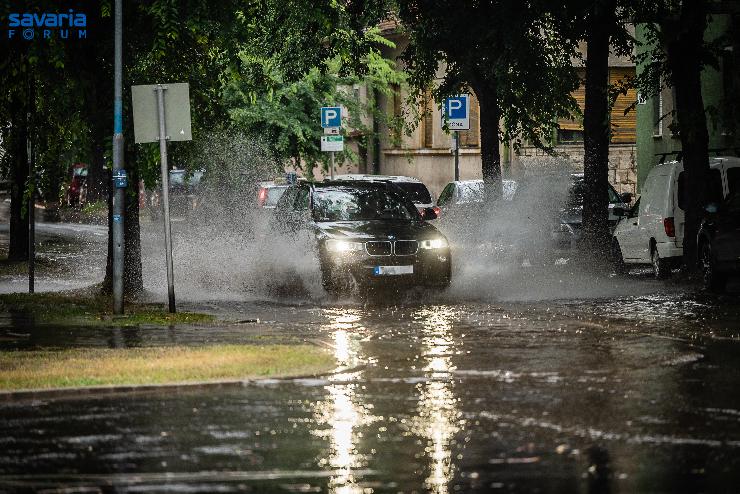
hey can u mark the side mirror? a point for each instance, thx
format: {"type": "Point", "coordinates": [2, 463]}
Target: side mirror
{"type": "Point", "coordinates": [619, 211]}
{"type": "Point", "coordinates": [711, 208]}
{"type": "Point", "coordinates": [626, 197]}
{"type": "Point", "coordinates": [429, 214]}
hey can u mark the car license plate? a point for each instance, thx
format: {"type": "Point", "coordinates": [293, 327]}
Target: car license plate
{"type": "Point", "coordinates": [393, 270]}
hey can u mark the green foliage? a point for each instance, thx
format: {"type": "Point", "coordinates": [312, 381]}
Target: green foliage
{"type": "Point", "coordinates": [264, 101]}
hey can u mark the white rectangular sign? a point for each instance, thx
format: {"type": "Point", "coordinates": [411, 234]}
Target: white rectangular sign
{"type": "Point", "coordinates": [332, 143]}
{"type": "Point", "coordinates": [176, 111]}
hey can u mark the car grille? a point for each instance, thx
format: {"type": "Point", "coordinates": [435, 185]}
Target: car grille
{"type": "Point", "coordinates": [378, 248]}
{"type": "Point", "coordinates": [406, 247]}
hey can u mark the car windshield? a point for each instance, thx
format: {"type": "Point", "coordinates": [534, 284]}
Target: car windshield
{"type": "Point", "coordinates": [274, 194]}
{"type": "Point", "coordinates": [417, 192]}
{"type": "Point", "coordinates": [471, 192]}
{"type": "Point", "coordinates": [576, 193]}
{"type": "Point", "coordinates": [359, 204]}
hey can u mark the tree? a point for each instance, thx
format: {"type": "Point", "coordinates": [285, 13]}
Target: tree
{"type": "Point", "coordinates": [263, 101]}
{"type": "Point", "coordinates": [510, 53]}
{"type": "Point", "coordinates": [676, 54]}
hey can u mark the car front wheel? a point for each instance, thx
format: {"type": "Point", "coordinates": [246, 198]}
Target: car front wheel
{"type": "Point", "coordinates": [620, 267]}
{"type": "Point", "coordinates": [661, 267]}
{"type": "Point", "coordinates": [713, 280]}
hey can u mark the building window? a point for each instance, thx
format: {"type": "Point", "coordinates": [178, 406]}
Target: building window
{"type": "Point", "coordinates": [428, 119]}
{"type": "Point", "coordinates": [570, 136]}
{"type": "Point", "coordinates": [471, 138]}
{"type": "Point", "coordinates": [658, 114]}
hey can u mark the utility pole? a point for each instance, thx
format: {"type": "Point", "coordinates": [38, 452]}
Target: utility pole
{"type": "Point", "coordinates": [119, 173]}
{"type": "Point", "coordinates": [32, 179]}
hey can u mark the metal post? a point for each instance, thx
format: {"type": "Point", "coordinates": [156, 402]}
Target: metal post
{"type": "Point", "coordinates": [32, 178]}
{"type": "Point", "coordinates": [118, 193]}
{"type": "Point", "coordinates": [332, 165]}
{"type": "Point", "coordinates": [160, 89]}
{"type": "Point", "coordinates": [457, 155]}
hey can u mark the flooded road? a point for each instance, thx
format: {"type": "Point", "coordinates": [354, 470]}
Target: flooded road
{"type": "Point", "coordinates": [621, 394]}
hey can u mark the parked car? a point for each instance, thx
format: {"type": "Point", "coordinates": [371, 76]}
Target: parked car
{"type": "Point", "coordinates": [367, 233]}
{"type": "Point", "coordinates": [652, 232]}
{"type": "Point", "coordinates": [718, 242]}
{"type": "Point", "coordinates": [268, 194]}
{"type": "Point", "coordinates": [77, 189]}
{"type": "Point", "coordinates": [184, 192]}
{"type": "Point", "coordinates": [569, 230]}
{"type": "Point", "coordinates": [415, 188]}
{"type": "Point", "coordinates": [463, 193]}
{"type": "Point", "coordinates": [556, 224]}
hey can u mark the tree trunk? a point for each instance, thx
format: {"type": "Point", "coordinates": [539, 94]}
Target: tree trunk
{"type": "Point", "coordinates": [596, 236]}
{"type": "Point", "coordinates": [133, 283]}
{"type": "Point", "coordinates": [490, 115]}
{"type": "Point", "coordinates": [18, 246]}
{"type": "Point", "coordinates": [684, 61]}
{"type": "Point", "coordinates": [97, 113]}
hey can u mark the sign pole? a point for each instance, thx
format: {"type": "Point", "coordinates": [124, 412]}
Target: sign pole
{"type": "Point", "coordinates": [457, 155]}
{"type": "Point", "coordinates": [332, 165]}
{"type": "Point", "coordinates": [160, 89]}
{"type": "Point", "coordinates": [117, 232]}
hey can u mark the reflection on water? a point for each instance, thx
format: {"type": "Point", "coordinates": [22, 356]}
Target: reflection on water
{"type": "Point", "coordinates": [438, 414]}
{"type": "Point", "coordinates": [343, 411]}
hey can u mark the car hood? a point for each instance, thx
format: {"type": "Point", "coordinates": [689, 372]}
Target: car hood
{"type": "Point", "coordinates": [376, 229]}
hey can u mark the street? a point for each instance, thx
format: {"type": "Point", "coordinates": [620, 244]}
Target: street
{"type": "Point", "coordinates": [619, 394]}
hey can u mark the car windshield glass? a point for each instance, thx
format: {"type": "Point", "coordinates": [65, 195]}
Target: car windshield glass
{"type": "Point", "coordinates": [273, 195]}
{"type": "Point", "coordinates": [417, 192]}
{"type": "Point", "coordinates": [358, 204]}
{"type": "Point", "coordinates": [471, 192]}
{"type": "Point", "coordinates": [177, 177]}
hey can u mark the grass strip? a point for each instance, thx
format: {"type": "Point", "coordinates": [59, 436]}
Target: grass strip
{"type": "Point", "coordinates": [65, 308]}
{"type": "Point", "coordinates": [81, 367]}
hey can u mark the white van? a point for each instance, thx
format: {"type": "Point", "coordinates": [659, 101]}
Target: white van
{"type": "Point", "coordinates": [652, 231]}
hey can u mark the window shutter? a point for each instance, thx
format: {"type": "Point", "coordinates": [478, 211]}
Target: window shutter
{"type": "Point", "coordinates": [623, 127]}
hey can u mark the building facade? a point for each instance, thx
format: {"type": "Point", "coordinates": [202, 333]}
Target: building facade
{"type": "Point", "coordinates": [426, 152]}
{"type": "Point", "coordinates": [657, 137]}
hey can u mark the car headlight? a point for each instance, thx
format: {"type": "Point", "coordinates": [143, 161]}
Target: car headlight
{"type": "Point", "coordinates": [434, 243]}
{"type": "Point", "coordinates": [341, 246]}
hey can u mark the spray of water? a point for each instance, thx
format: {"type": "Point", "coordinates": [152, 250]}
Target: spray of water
{"type": "Point", "coordinates": [224, 247]}
{"type": "Point", "coordinates": [227, 248]}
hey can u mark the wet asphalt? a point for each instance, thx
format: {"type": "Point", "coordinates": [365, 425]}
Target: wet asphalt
{"type": "Point", "coordinates": [512, 381]}
{"type": "Point", "coordinates": [630, 393]}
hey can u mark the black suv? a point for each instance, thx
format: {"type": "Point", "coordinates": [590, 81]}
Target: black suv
{"type": "Point", "coordinates": [719, 242]}
{"type": "Point", "coordinates": [367, 232]}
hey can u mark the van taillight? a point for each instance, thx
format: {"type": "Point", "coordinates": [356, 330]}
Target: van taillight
{"type": "Point", "coordinates": [262, 196]}
{"type": "Point", "coordinates": [670, 227]}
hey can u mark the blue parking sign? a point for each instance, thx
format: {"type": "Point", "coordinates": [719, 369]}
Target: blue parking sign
{"type": "Point", "coordinates": [331, 116]}
{"type": "Point", "coordinates": [456, 112]}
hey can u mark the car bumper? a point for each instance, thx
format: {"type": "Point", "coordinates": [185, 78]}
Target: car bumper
{"type": "Point", "coordinates": [667, 250]}
{"type": "Point", "coordinates": [429, 268]}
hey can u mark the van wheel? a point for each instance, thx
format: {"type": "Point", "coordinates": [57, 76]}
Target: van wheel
{"type": "Point", "coordinates": [620, 268]}
{"type": "Point", "coordinates": [713, 281]}
{"type": "Point", "coordinates": [661, 267]}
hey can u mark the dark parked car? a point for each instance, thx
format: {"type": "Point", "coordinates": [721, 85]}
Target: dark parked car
{"type": "Point", "coordinates": [719, 242]}
{"type": "Point", "coordinates": [268, 194]}
{"type": "Point", "coordinates": [368, 233]}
